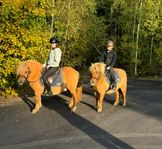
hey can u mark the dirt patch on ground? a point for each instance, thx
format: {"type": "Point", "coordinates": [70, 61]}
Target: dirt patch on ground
{"type": "Point", "coordinates": [5, 101]}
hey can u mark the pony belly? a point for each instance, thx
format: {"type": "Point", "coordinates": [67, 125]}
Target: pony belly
{"type": "Point", "coordinates": [111, 91]}
{"type": "Point", "coordinates": [56, 90]}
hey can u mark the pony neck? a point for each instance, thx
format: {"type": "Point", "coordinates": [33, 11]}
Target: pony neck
{"type": "Point", "coordinates": [35, 71]}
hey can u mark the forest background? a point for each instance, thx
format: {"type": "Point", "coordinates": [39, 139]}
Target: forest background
{"type": "Point", "coordinates": [82, 26]}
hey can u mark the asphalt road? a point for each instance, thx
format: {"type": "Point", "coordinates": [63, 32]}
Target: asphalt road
{"type": "Point", "coordinates": [139, 125]}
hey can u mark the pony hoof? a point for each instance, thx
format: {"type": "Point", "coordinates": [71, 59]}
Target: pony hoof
{"type": "Point", "coordinates": [34, 111]}
{"type": "Point", "coordinates": [70, 105]}
{"type": "Point", "coordinates": [124, 104]}
{"type": "Point", "coordinates": [115, 104]}
{"type": "Point", "coordinates": [74, 109]}
{"type": "Point", "coordinates": [99, 110]}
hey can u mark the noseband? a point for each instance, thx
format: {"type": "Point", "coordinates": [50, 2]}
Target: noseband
{"type": "Point", "coordinates": [26, 77]}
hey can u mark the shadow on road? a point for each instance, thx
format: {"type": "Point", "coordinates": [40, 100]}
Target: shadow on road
{"type": "Point", "coordinates": [28, 102]}
{"type": "Point", "coordinates": [93, 131]}
{"type": "Point", "coordinates": [143, 96]}
{"type": "Point", "coordinates": [108, 98]}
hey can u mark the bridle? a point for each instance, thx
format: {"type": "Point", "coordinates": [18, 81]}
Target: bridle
{"type": "Point", "coordinates": [99, 76]}
{"type": "Point", "coordinates": [96, 79]}
{"type": "Point", "coordinates": [26, 77]}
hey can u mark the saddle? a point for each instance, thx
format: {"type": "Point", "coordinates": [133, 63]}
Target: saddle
{"type": "Point", "coordinates": [56, 79]}
{"type": "Point", "coordinates": [117, 78]}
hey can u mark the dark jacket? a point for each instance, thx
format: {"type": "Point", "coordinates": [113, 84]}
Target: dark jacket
{"type": "Point", "coordinates": [109, 58]}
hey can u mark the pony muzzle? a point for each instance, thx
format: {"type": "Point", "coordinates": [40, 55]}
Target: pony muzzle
{"type": "Point", "coordinates": [92, 82]}
{"type": "Point", "coordinates": [21, 81]}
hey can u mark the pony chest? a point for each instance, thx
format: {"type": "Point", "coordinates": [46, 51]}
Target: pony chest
{"type": "Point", "coordinates": [101, 85]}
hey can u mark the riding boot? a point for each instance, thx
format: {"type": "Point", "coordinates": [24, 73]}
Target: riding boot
{"type": "Point", "coordinates": [113, 85]}
{"type": "Point", "coordinates": [113, 82]}
{"type": "Point", "coordinates": [48, 87]}
{"type": "Point", "coordinates": [49, 93]}
{"type": "Point", "coordinates": [45, 90]}
{"type": "Point", "coordinates": [63, 87]}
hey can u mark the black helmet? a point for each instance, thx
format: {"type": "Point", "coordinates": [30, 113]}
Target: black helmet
{"type": "Point", "coordinates": [54, 40]}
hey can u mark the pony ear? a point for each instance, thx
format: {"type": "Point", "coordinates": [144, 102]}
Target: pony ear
{"type": "Point", "coordinates": [99, 66]}
{"type": "Point", "coordinates": [18, 65]}
{"type": "Point", "coordinates": [34, 71]}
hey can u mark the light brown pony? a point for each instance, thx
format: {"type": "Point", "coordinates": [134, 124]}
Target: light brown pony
{"type": "Point", "coordinates": [31, 71]}
{"type": "Point", "coordinates": [100, 85]}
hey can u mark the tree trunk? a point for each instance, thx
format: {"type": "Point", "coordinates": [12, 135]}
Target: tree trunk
{"type": "Point", "coordinates": [137, 38]}
{"type": "Point", "coordinates": [111, 27]}
{"type": "Point", "coordinates": [67, 31]}
{"type": "Point", "coordinates": [152, 42]}
{"type": "Point", "coordinates": [134, 23]}
{"type": "Point", "coordinates": [52, 19]}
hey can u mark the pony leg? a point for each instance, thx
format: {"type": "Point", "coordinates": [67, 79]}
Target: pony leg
{"type": "Point", "coordinates": [97, 99]}
{"type": "Point", "coordinates": [73, 100]}
{"type": "Point", "coordinates": [38, 104]}
{"type": "Point", "coordinates": [74, 107]}
{"type": "Point", "coordinates": [117, 98]}
{"type": "Point", "coordinates": [78, 92]}
{"type": "Point", "coordinates": [124, 97]}
{"type": "Point", "coordinates": [124, 100]}
{"type": "Point", "coordinates": [100, 102]}
{"type": "Point", "coordinates": [96, 96]}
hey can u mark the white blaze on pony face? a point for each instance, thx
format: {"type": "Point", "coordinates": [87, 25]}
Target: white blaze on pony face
{"type": "Point", "coordinates": [22, 73]}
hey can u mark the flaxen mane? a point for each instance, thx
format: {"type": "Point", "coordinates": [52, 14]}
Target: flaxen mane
{"type": "Point", "coordinates": [98, 67]}
{"type": "Point", "coordinates": [26, 64]}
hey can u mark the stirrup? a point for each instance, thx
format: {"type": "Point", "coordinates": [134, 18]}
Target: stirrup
{"type": "Point", "coordinates": [113, 86]}
{"type": "Point", "coordinates": [48, 93]}
{"type": "Point", "coordinates": [63, 87]}
{"type": "Point", "coordinates": [44, 92]}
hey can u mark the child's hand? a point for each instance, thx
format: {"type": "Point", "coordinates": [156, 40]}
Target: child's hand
{"type": "Point", "coordinates": [108, 67]}
{"type": "Point", "coordinates": [44, 65]}
{"type": "Point", "coordinates": [48, 66]}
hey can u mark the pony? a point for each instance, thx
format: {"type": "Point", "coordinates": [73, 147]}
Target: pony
{"type": "Point", "coordinates": [101, 86]}
{"type": "Point", "coordinates": [31, 71]}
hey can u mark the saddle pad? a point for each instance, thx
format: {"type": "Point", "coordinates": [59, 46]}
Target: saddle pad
{"type": "Point", "coordinates": [117, 78]}
{"type": "Point", "coordinates": [57, 78]}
